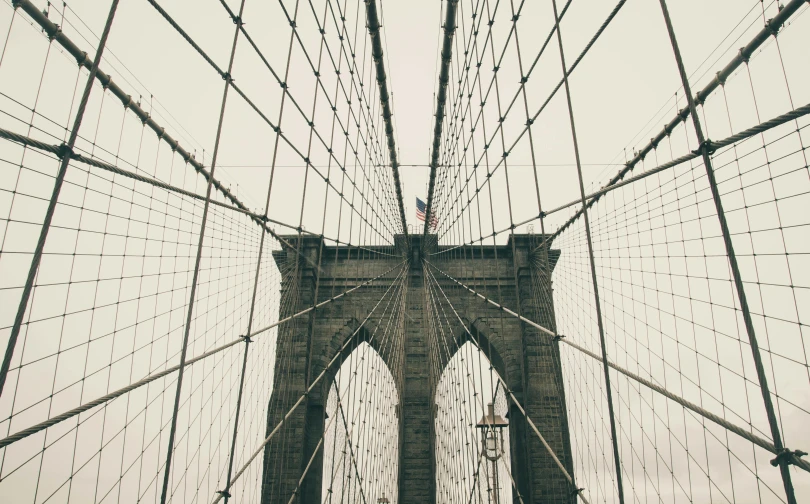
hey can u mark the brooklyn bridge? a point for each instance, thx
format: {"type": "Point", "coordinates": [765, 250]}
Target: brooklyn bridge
{"type": "Point", "coordinates": [435, 251]}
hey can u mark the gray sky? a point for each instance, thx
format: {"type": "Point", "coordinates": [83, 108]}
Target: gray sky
{"type": "Point", "coordinates": [668, 303]}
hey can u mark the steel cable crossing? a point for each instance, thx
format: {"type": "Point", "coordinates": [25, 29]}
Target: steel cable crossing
{"type": "Point", "coordinates": [458, 232]}
{"type": "Point", "coordinates": [657, 353]}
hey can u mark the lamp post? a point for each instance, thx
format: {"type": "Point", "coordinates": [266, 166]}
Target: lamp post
{"type": "Point", "coordinates": [383, 500]}
{"type": "Point", "coordinates": [492, 426]}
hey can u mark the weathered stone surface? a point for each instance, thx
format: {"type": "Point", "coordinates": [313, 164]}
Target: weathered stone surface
{"type": "Point", "coordinates": [527, 360]}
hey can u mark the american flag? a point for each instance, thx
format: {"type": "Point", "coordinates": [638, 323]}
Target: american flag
{"type": "Point", "coordinates": [420, 213]}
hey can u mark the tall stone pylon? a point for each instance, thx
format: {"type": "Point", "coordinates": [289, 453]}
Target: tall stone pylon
{"type": "Point", "coordinates": [515, 274]}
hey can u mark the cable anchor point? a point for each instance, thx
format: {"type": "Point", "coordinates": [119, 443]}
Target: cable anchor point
{"type": "Point", "coordinates": [787, 456]}
{"type": "Point", "coordinates": [707, 147]}
{"type": "Point", "coordinates": [65, 151]}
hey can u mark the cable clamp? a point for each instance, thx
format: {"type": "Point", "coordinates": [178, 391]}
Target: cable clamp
{"type": "Point", "coordinates": [771, 28]}
{"type": "Point", "coordinates": [79, 61]}
{"type": "Point", "coordinates": [237, 20]}
{"type": "Point", "coordinates": [224, 493]}
{"type": "Point", "coordinates": [558, 337]}
{"type": "Point", "coordinates": [576, 491]}
{"type": "Point", "coordinates": [227, 77]}
{"type": "Point", "coordinates": [743, 56]}
{"type": "Point", "coordinates": [786, 456]}
{"type": "Point", "coordinates": [65, 151]}
{"type": "Point", "coordinates": [246, 338]}
{"type": "Point", "coordinates": [707, 147]}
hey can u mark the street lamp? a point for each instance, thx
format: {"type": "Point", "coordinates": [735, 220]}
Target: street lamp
{"type": "Point", "coordinates": [383, 500]}
{"type": "Point", "coordinates": [492, 426]}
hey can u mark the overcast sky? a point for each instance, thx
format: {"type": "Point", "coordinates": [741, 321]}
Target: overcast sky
{"type": "Point", "coordinates": [623, 92]}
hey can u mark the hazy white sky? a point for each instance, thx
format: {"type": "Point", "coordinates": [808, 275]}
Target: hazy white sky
{"type": "Point", "coordinates": [624, 82]}
{"type": "Point", "coordinates": [669, 307]}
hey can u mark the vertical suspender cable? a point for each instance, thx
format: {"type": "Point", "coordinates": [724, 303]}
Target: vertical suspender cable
{"type": "Point", "coordinates": [782, 458]}
{"type": "Point", "coordinates": [190, 311]}
{"type": "Point", "coordinates": [57, 187]}
{"type": "Point", "coordinates": [597, 303]}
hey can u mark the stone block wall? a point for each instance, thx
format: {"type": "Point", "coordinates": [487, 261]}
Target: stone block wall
{"type": "Point", "coordinates": [527, 360]}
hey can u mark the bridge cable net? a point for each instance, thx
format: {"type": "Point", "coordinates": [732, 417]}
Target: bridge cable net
{"type": "Point", "coordinates": [676, 312]}
{"type": "Point", "coordinates": [158, 285]}
{"type": "Point", "coordinates": [155, 314]}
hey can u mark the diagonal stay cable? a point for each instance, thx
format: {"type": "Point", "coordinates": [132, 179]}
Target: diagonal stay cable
{"type": "Point", "coordinates": [53, 31]}
{"type": "Point", "coordinates": [759, 441]}
{"type": "Point", "coordinates": [275, 127]}
{"type": "Point", "coordinates": [60, 152]}
{"type": "Point", "coordinates": [531, 120]}
{"type": "Point", "coordinates": [311, 387]}
{"type": "Point", "coordinates": [737, 137]}
{"type": "Point", "coordinates": [507, 390]}
{"type": "Point", "coordinates": [770, 29]}
{"type": "Point", "coordinates": [109, 397]}
{"type": "Point", "coordinates": [46, 224]}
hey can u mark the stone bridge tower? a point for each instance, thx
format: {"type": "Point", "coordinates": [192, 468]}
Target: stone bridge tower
{"type": "Point", "coordinates": [528, 361]}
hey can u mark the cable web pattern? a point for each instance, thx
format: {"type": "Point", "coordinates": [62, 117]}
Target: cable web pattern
{"type": "Point", "coordinates": [209, 290]}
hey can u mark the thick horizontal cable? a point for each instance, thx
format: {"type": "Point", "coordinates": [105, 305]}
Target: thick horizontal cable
{"type": "Point", "coordinates": [771, 28]}
{"type": "Point", "coordinates": [275, 127]}
{"type": "Point", "coordinates": [109, 397]}
{"type": "Point", "coordinates": [59, 151]}
{"type": "Point", "coordinates": [377, 54]}
{"type": "Point", "coordinates": [761, 442]}
{"type": "Point", "coordinates": [714, 146]}
{"type": "Point", "coordinates": [311, 387]}
{"type": "Point", "coordinates": [54, 32]}
{"type": "Point", "coordinates": [441, 98]}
